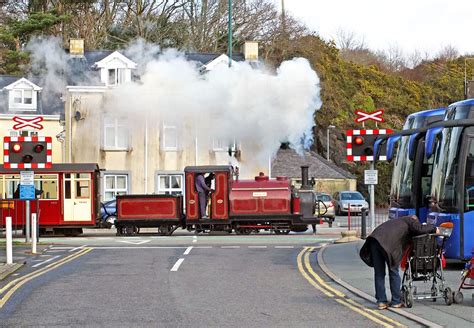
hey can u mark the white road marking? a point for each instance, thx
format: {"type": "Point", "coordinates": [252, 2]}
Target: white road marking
{"type": "Point", "coordinates": [45, 255]}
{"type": "Point", "coordinates": [284, 246]}
{"type": "Point", "coordinates": [230, 246]}
{"type": "Point", "coordinates": [77, 248]}
{"type": "Point", "coordinates": [137, 247]}
{"type": "Point", "coordinates": [55, 251]}
{"type": "Point", "coordinates": [257, 246]}
{"type": "Point", "coordinates": [195, 239]}
{"type": "Point", "coordinates": [138, 242]}
{"type": "Point", "coordinates": [60, 247]}
{"type": "Point", "coordinates": [46, 261]}
{"type": "Point", "coordinates": [186, 252]}
{"type": "Point", "coordinates": [177, 264]}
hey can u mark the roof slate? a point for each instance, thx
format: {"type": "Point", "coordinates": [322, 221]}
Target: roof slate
{"type": "Point", "coordinates": [288, 163]}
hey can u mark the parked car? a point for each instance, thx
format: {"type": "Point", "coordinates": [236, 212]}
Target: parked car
{"type": "Point", "coordinates": [354, 199]}
{"type": "Point", "coordinates": [327, 210]}
{"type": "Point", "coordinates": [108, 213]}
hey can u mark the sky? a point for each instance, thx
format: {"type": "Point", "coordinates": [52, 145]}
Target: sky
{"type": "Point", "coordinates": [423, 25]}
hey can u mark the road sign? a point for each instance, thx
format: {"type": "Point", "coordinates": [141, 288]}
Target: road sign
{"type": "Point", "coordinates": [27, 192]}
{"type": "Point", "coordinates": [28, 123]}
{"type": "Point", "coordinates": [27, 178]}
{"type": "Point", "coordinates": [371, 177]}
{"type": "Point", "coordinates": [360, 144]}
{"type": "Point", "coordinates": [375, 116]}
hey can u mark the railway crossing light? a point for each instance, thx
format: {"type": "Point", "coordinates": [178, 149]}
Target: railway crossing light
{"type": "Point", "coordinates": [27, 152]}
{"type": "Point", "coordinates": [360, 144]}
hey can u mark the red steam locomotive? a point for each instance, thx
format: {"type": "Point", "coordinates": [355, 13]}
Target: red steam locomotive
{"type": "Point", "coordinates": [243, 206]}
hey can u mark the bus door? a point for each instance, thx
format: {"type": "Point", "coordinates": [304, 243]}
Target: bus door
{"type": "Point", "coordinates": [77, 197]}
{"type": "Point", "coordinates": [467, 223]}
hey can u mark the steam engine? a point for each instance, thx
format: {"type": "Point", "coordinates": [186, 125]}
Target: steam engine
{"type": "Point", "coordinates": [243, 206]}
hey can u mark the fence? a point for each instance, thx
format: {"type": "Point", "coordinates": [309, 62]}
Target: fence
{"type": "Point", "coordinates": [354, 220]}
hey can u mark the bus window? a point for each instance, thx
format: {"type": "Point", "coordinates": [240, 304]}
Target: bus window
{"type": "Point", "coordinates": [469, 178]}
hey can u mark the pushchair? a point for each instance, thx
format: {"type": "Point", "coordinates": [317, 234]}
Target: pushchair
{"type": "Point", "coordinates": [467, 273]}
{"type": "Point", "coordinates": [425, 263]}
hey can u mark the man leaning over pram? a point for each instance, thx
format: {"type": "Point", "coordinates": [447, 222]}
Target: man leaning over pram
{"type": "Point", "coordinates": [386, 245]}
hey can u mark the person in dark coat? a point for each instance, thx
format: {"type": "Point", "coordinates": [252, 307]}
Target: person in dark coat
{"type": "Point", "coordinates": [385, 246]}
{"type": "Point", "coordinates": [202, 190]}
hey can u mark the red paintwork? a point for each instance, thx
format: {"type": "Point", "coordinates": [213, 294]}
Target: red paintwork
{"type": "Point", "coordinates": [261, 196]}
{"type": "Point", "coordinates": [296, 205]}
{"type": "Point", "coordinates": [148, 208]}
{"type": "Point", "coordinates": [51, 211]}
{"type": "Point", "coordinates": [192, 199]}
{"type": "Point", "coordinates": [219, 198]}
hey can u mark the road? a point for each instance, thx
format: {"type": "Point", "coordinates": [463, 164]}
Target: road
{"type": "Point", "coordinates": [183, 281]}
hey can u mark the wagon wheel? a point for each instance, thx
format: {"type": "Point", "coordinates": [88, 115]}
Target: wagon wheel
{"type": "Point", "coordinates": [129, 230]}
{"type": "Point", "coordinates": [458, 297]}
{"type": "Point", "coordinates": [448, 296]}
{"type": "Point", "coordinates": [243, 231]}
{"type": "Point", "coordinates": [164, 230]}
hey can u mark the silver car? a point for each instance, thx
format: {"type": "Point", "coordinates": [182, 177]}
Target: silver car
{"type": "Point", "coordinates": [327, 210]}
{"type": "Point", "coordinates": [354, 199]}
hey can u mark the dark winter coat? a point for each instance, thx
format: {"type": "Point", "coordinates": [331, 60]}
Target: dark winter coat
{"type": "Point", "coordinates": [394, 236]}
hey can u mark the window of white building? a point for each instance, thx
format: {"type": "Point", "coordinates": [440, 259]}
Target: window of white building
{"type": "Point", "coordinates": [115, 184]}
{"type": "Point", "coordinates": [115, 76]}
{"type": "Point", "coordinates": [116, 134]}
{"type": "Point", "coordinates": [170, 138]}
{"type": "Point", "coordinates": [221, 144]}
{"type": "Point", "coordinates": [170, 184]}
{"type": "Point", "coordinates": [22, 95]}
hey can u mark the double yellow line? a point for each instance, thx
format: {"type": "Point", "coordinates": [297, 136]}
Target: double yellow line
{"type": "Point", "coordinates": [10, 288]}
{"type": "Point", "coordinates": [304, 266]}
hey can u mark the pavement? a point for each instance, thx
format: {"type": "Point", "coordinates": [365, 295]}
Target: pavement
{"type": "Point", "coordinates": [21, 254]}
{"type": "Point", "coordinates": [341, 262]}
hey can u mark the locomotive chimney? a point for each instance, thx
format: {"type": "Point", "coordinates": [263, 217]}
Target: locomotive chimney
{"type": "Point", "coordinates": [304, 178]}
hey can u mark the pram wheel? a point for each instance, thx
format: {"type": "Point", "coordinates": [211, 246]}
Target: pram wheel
{"type": "Point", "coordinates": [407, 297]}
{"type": "Point", "coordinates": [458, 297]}
{"type": "Point", "coordinates": [434, 292]}
{"type": "Point", "coordinates": [448, 296]}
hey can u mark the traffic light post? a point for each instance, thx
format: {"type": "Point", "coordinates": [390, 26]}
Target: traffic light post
{"type": "Point", "coordinates": [360, 147]}
{"type": "Point", "coordinates": [27, 153]}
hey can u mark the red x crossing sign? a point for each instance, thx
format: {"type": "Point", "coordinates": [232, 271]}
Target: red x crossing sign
{"type": "Point", "coordinates": [375, 116]}
{"type": "Point", "coordinates": [27, 122]}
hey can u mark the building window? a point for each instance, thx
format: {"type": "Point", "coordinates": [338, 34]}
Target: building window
{"type": "Point", "coordinates": [115, 184]}
{"type": "Point", "coordinates": [170, 137]}
{"type": "Point", "coordinates": [170, 184]}
{"type": "Point", "coordinates": [223, 145]}
{"type": "Point", "coordinates": [22, 99]}
{"type": "Point", "coordinates": [116, 134]}
{"type": "Point", "coordinates": [115, 76]}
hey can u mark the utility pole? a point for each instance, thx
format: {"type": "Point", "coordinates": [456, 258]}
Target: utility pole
{"type": "Point", "coordinates": [229, 46]}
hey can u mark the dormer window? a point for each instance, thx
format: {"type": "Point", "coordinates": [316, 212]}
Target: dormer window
{"type": "Point", "coordinates": [115, 69]}
{"type": "Point", "coordinates": [22, 95]}
{"type": "Point", "coordinates": [116, 76]}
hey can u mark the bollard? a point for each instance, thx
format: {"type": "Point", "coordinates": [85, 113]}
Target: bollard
{"type": "Point", "coordinates": [8, 228]}
{"type": "Point", "coordinates": [349, 216]}
{"type": "Point", "coordinates": [363, 225]}
{"type": "Point", "coordinates": [33, 233]}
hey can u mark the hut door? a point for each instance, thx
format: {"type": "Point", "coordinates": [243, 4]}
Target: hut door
{"type": "Point", "coordinates": [77, 197]}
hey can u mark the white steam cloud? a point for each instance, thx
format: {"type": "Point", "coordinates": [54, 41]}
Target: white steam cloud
{"type": "Point", "coordinates": [257, 108]}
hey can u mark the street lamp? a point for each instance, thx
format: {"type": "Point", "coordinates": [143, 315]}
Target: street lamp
{"type": "Point", "coordinates": [327, 137]}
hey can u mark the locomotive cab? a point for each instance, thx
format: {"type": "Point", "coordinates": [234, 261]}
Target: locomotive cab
{"type": "Point", "coordinates": [218, 199]}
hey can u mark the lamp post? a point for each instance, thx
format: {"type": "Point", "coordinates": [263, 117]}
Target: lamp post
{"type": "Point", "coordinates": [327, 138]}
